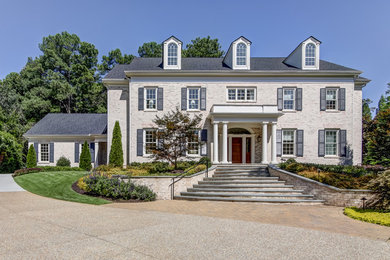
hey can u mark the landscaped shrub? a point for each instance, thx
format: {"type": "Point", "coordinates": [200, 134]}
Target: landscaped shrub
{"type": "Point", "coordinates": [381, 187]}
{"type": "Point", "coordinates": [31, 157]}
{"type": "Point", "coordinates": [102, 185]}
{"type": "Point", "coordinates": [63, 161]}
{"type": "Point", "coordinates": [85, 157]}
{"type": "Point", "coordinates": [26, 171]}
{"type": "Point", "coordinates": [10, 153]}
{"type": "Point", "coordinates": [59, 168]}
{"type": "Point", "coordinates": [196, 169]}
{"type": "Point", "coordinates": [369, 215]}
{"type": "Point", "coordinates": [116, 152]}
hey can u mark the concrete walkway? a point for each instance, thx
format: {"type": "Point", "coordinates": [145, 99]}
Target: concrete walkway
{"type": "Point", "coordinates": [34, 227]}
{"type": "Point", "coordinates": [7, 184]}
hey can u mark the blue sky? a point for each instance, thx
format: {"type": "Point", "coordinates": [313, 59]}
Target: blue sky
{"type": "Point", "coordinates": [353, 33]}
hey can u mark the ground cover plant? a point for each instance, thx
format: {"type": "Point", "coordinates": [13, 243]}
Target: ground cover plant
{"type": "Point", "coordinates": [340, 176]}
{"type": "Point", "coordinates": [369, 215]}
{"type": "Point", "coordinates": [98, 184]}
{"type": "Point", "coordinates": [45, 169]}
{"type": "Point", "coordinates": [57, 185]}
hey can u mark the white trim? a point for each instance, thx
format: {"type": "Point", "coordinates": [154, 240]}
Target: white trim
{"type": "Point", "coordinates": [294, 142]}
{"type": "Point", "coordinates": [294, 98]}
{"type": "Point", "coordinates": [40, 152]}
{"type": "Point", "coordinates": [337, 89]}
{"type": "Point", "coordinates": [337, 143]}
{"type": "Point", "coordinates": [199, 145]}
{"type": "Point", "coordinates": [144, 141]}
{"type": "Point", "coordinates": [243, 136]}
{"type": "Point", "coordinates": [145, 98]}
{"type": "Point", "coordinates": [188, 99]}
{"type": "Point", "coordinates": [245, 100]}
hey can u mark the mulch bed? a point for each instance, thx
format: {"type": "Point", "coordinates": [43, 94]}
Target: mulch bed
{"type": "Point", "coordinates": [80, 191]}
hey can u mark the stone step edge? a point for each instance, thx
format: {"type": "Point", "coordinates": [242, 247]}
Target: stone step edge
{"type": "Point", "coordinates": [248, 200]}
{"type": "Point", "coordinates": [242, 186]}
{"type": "Point", "coordinates": [244, 190]}
{"type": "Point", "coordinates": [210, 194]}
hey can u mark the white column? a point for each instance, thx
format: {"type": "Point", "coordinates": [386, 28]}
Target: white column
{"type": "Point", "coordinates": [244, 149]}
{"type": "Point", "coordinates": [264, 144]}
{"type": "Point", "coordinates": [224, 142]}
{"type": "Point", "coordinates": [273, 144]}
{"type": "Point", "coordinates": [253, 149]}
{"type": "Point", "coordinates": [215, 137]}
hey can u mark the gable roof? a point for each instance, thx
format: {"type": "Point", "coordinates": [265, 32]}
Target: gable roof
{"type": "Point", "coordinates": [173, 37]}
{"type": "Point", "coordinates": [214, 64]}
{"type": "Point", "coordinates": [70, 124]}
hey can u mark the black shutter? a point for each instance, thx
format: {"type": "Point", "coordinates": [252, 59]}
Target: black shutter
{"type": "Point", "coordinates": [160, 99]}
{"type": "Point", "coordinates": [76, 152]}
{"type": "Point", "coordinates": [203, 99]}
{"type": "Point", "coordinates": [342, 99]}
{"type": "Point", "coordinates": [298, 99]}
{"type": "Point", "coordinates": [343, 143]}
{"type": "Point", "coordinates": [51, 152]}
{"type": "Point", "coordinates": [322, 99]}
{"type": "Point", "coordinates": [36, 147]}
{"type": "Point", "coordinates": [140, 99]}
{"type": "Point", "coordinates": [140, 142]}
{"type": "Point", "coordinates": [299, 143]}
{"type": "Point", "coordinates": [321, 143]}
{"type": "Point", "coordinates": [184, 99]}
{"type": "Point", "coordinates": [203, 135]}
{"type": "Point", "coordinates": [278, 142]}
{"type": "Point", "coordinates": [280, 99]}
{"type": "Point", "coordinates": [92, 151]}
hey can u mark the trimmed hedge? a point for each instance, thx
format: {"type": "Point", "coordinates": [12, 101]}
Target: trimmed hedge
{"type": "Point", "coordinates": [63, 161]}
{"type": "Point", "coordinates": [45, 169]}
{"type": "Point", "coordinates": [369, 215]}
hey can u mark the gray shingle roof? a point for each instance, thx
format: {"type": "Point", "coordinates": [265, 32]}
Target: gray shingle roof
{"type": "Point", "coordinates": [70, 124]}
{"type": "Point", "coordinates": [213, 64]}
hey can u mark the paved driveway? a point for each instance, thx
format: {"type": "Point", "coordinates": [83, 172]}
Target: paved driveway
{"type": "Point", "coordinates": [35, 227]}
{"type": "Point", "coordinates": [8, 184]}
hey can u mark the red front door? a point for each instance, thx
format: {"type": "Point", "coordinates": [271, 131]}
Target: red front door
{"type": "Point", "coordinates": [236, 150]}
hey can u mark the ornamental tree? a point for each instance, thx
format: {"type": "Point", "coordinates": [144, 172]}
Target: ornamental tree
{"type": "Point", "coordinates": [116, 152]}
{"type": "Point", "coordinates": [85, 157]}
{"type": "Point", "coordinates": [177, 128]}
{"type": "Point", "coordinates": [31, 157]}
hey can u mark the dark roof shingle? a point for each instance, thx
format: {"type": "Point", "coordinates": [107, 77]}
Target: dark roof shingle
{"type": "Point", "coordinates": [213, 64]}
{"type": "Point", "coordinates": [70, 124]}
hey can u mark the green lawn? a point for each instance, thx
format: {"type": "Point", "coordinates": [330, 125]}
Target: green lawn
{"type": "Point", "coordinates": [57, 185]}
{"type": "Point", "coordinates": [369, 215]}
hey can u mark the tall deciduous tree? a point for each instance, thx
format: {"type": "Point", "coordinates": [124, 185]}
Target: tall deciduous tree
{"type": "Point", "coordinates": [116, 152]}
{"type": "Point", "coordinates": [203, 47]}
{"type": "Point", "coordinates": [150, 50]}
{"type": "Point", "coordinates": [177, 128]}
{"type": "Point", "coordinates": [114, 57]}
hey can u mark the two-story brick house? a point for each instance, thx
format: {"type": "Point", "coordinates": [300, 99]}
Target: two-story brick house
{"type": "Point", "coordinates": [255, 110]}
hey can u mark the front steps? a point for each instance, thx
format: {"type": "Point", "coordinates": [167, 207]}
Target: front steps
{"type": "Point", "coordinates": [245, 183]}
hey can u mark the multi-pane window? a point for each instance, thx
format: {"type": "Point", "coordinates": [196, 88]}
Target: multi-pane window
{"type": "Point", "coordinates": [241, 54]}
{"type": "Point", "coordinates": [241, 94]}
{"type": "Point", "coordinates": [193, 98]}
{"type": "Point", "coordinates": [150, 98]}
{"type": "Point", "coordinates": [44, 152]}
{"type": "Point", "coordinates": [288, 142]}
{"type": "Point", "coordinates": [193, 143]}
{"type": "Point", "coordinates": [150, 140]}
{"type": "Point", "coordinates": [288, 98]}
{"type": "Point", "coordinates": [331, 142]}
{"type": "Point", "coordinates": [331, 99]}
{"type": "Point", "coordinates": [172, 54]}
{"type": "Point", "coordinates": [310, 59]}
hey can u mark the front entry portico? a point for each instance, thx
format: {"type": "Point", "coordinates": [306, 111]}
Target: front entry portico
{"type": "Point", "coordinates": [238, 139]}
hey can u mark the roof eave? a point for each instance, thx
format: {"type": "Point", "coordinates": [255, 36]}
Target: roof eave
{"type": "Point", "coordinates": [111, 82]}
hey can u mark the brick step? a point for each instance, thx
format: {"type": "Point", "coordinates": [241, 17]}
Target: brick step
{"type": "Point", "coordinates": [271, 182]}
{"type": "Point", "coordinates": [267, 190]}
{"type": "Point", "coordinates": [305, 201]}
{"type": "Point", "coordinates": [240, 178]}
{"type": "Point", "coordinates": [237, 186]}
{"type": "Point", "coordinates": [250, 195]}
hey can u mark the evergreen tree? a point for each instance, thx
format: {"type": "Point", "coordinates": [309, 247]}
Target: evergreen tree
{"type": "Point", "coordinates": [150, 50]}
{"type": "Point", "coordinates": [31, 157]}
{"type": "Point", "coordinates": [85, 157]}
{"type": "Point", "coordinates": [116, 152]}
{"type": "Point", "coordinates": [203, 47]}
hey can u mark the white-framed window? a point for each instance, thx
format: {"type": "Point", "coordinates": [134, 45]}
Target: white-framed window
{"type": "Point", "coordinates": [288, 98]}
{"type": "Point", "coordinates": [331, 142]}
{"type": "Point", "coordinates": [193, 98]}
{"type": "Point", "coordinates": [150, 98]}
{"type": "Point", "coordinates": [44, 152]}
{"type": "Point", "coordinates": [193, 144]}
{"type": "Point", "coordinates": [288, 142]}
{"type": "Point", "coordinates": [150, 137]}
{"type": "Point", "coordinates": [310, 58]}
{"type": "Point", "coordinates": [241, 54]}
{"type": "Point", "coordinates": [172, 54]}
{"type": "Point", "coordinates": [331, 98]}
{"type": "Point", "coordinates": [241, 94]}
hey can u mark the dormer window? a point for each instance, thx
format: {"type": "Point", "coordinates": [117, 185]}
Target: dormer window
{"type": "Point", "coordinates": [310, 59]}
{"type": "Point", "coordinates": [241, 54]}
{"type": "Point", "coordinates": [172, 54]}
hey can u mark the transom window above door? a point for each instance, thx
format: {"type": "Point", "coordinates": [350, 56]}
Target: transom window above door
{"type": "Point", "coordinates": [241, 94]}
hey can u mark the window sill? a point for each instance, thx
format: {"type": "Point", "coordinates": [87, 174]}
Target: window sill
{"type": "Point", "coordinates": [193, 155]}
{"type": "Point", "coordinates": [331, 157]}
{"type": "Point", "coordinates": [193, 110]}
{"type": "Point", "coordinates": [45, 162]}
{"type": "Point", "coordinates": [150, 110]}
{"type": "Point", "coordinates": [288, 156]}
{"type": "Point", "coordinates": [332, 111]}
{"type": "Point", "coordinates": [241, 101]}
{"type": "Point", "coordinates": [289, 111]}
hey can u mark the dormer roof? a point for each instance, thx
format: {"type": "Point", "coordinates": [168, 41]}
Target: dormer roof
{"type": "Point", "coordinates": [174, 38]}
